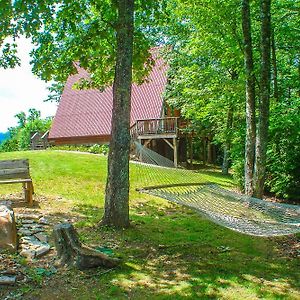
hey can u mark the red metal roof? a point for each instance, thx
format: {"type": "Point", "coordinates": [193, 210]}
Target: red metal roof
{"type": "Point", "coordinates": [83, 113]}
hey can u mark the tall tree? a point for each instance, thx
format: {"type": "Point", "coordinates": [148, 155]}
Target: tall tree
{"type": "Point", "coordinates": [206, 62]}
{"type": "Point", "coordinates": [202, 56]}
{"type": "Point", "coordinates": [99, 36]}
{"type": "Point", "coordinates": [117, 187]}
{"type": "Point", "coordinates": [250, 98]}
{"type": "Point", "coordinates": [264, 103]}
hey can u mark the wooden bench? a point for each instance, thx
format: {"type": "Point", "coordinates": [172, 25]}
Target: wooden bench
{"type": "Point", "coordinates": [17, 171]}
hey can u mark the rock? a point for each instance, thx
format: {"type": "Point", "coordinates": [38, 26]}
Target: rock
{"type": "Point", "coordinates": [27, 221]}
{"type": "Point", "coordinates": [8, 229]}
{"type": "Point", "coordinates": [29, 253]}
{"type": "Point", "coordinates": [43, 221]}
{"type": "Point", "coordinates": [23, 231]}
{"type": "Point", "coordinates": [41, 237]}
{"type": "Point", "coordinates": [42, 250]}
{"type": "Point", "coordinates": [28, 216]}
{"type": "Point", "coordinates": [11, 271]}
{"type": "Point", "coordinates": [30, 229]}
{"type": "Point", "coordinates": [33, 227]}
{"type": "Point", "coordinates": [32, 247]}
{"type": "Point", "coordinates": [29, 240]}
{"type": "Point", "coordinates": [6, 203]}
{"type": "Point", "coordinates": [8, 280]}
{"type": "Point", "coordinates": [35, 251]}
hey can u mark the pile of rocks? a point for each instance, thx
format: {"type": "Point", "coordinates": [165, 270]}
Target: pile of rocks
{"type": "Point", "coordinates": [23, 231]}
{"type": "Point", "coordinates": [33, 241]}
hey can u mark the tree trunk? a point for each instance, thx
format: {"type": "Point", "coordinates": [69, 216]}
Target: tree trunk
{"type": "Point", "coordinates": [264, 105]}
{"type": "Point", "coordinates": [227, 146]}
{"type": "Point", "coordinates": [225, 164]}
{"type": "Point", "coordinates": [250, 98]}
{"type": "Point", "coordinates": [204, 151]}
{"type": "Point", "coordinates": [274, 63]}
{"type": "Point", "coordinates": [117, 187]}
{"type": "Point", "coordinates": [191, 152]}
{"type": "Point", "coordinates": [209, 150]}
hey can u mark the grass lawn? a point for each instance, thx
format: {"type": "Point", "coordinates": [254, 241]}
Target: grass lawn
{"type": "Point", "coordinates": [169, 252]}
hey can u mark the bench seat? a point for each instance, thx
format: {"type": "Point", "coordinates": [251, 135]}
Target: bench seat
{"type": "Point", "coordinates": [17, 171]}
{"type": "Point", "coordinates": [10, 181]}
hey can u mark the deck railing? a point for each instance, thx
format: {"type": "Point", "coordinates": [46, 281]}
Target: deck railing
{"type": "Point", "coordinates": [162, 126]}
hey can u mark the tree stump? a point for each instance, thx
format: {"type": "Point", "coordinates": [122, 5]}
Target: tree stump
{"type": "Point", "coordinates": [73, 253]}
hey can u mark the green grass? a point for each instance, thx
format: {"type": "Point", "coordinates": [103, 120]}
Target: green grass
{"type": "Point", "coordinates": [169, 252]}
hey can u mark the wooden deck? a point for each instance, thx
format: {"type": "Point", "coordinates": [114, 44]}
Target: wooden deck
{"type": "Point", "coordinates": [156, 128]}
{"type": "Point", "coordinates": [168, 129]}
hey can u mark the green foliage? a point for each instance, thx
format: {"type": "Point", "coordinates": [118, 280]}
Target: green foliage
{"type": "Point", "coordinates": [38, 275]}
{"type": "Point", "coordinates": [99, 149]}
{"type": "Point", "coordinates": [206, 74]}
{"type": "Point", "coordinates": [8, 49]}
{"type": "Point", "coordinates": [55, 92]}
{"type": "Point", "coordinates": [95, 149]}
{"type": "Point", "coordinates": [284, 150]}
{"type": "Point", "coordinates": [21, 134]}
{"type": "Point", "coordinates": [9, 145]}
{"type": "Point", "coordinates": [206, 81]}
{"type": "Point", "coordinates": [83, 32]}
{"type": "Point", "coordinates": [79, 148]}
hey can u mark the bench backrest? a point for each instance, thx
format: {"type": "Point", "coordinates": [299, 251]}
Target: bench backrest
{"type": "Point", "coordinates": [17, 168]}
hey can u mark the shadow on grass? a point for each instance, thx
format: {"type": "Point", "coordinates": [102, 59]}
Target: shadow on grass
{"type": "Point", "coordinates": [18, 201]}
{"type": "Point", "coordinates": [172, 253]}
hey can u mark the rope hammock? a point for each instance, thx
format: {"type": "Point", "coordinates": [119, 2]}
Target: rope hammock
{"type": "Point", "coordinates": [241, 213]}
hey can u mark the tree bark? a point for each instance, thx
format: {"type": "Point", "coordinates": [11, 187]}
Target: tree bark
{"type": "Point", "coordinates": [191, 151]}
{"type": "Point", "coordinates": [204, 150]}
{"type": "Point", "coordinates": [227, 145]}
{"type": "Point", "coordinates": [117, 187]}
{"type": "Point", "coordinates": [274, 63]}
{"type": "Point", "coordinates": [209, 150]}
{"type": "Point", "coordinates": [250, 98]}
{"type": "Point", "coordinates": [71, 252]}
{"type": "Point", "coordinates": [264, 104]}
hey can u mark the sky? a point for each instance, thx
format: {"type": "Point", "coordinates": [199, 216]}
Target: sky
{"type": "Point", "coordinates": [20, 90]}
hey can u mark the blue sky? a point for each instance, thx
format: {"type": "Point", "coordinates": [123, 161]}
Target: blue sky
{"type": "Point", "coordinates": [21, 90]}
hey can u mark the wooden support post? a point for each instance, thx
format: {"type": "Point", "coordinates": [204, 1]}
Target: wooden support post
{"type": "Point", "coordinates": [31, 192]}
{"type": "Point", "coordinates": [28, 190]}
{"type": "Point", "coordinates": [175, 145]}
{"type": "Point", "coordinates": [169, 143]}
{"type": "Point", "coordinates": [147, 143]}
{"type": "Point", "coordinates": [139, 152]}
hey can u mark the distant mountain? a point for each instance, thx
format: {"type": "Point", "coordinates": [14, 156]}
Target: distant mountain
{"type": "Point", "coordinates": [4, 136]}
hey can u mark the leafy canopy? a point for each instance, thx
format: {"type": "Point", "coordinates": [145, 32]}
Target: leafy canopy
{"type": "Point", "coordinates": [83, 32]}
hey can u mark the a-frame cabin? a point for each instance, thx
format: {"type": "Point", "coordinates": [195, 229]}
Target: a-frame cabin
{"type": "Point", "coordinates": [84, 116]}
